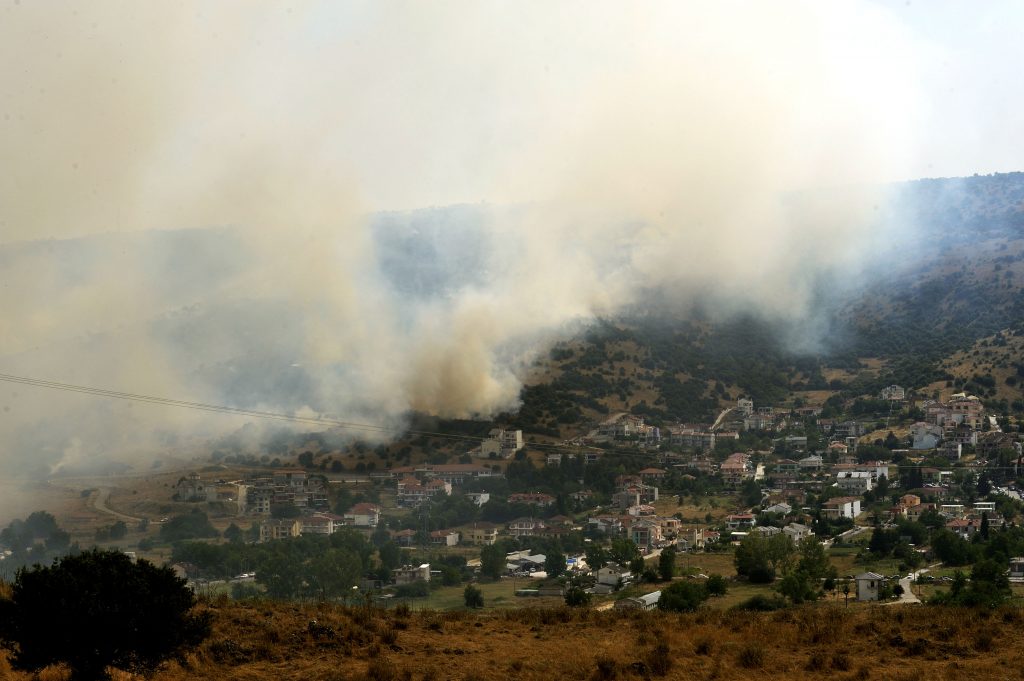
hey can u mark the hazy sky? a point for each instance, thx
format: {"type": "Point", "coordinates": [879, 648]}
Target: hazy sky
{"type": "Point", "coordinates": [128, 113]}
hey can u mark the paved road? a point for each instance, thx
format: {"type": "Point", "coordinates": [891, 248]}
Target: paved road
{"type": "Point", "coordinates": [721, 416]}
{"type": "Point", "coordinates": [908, 596]}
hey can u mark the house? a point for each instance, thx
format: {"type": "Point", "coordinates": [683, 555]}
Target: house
{"type": "Point", "coordinates": [787, 466]}
{"type": "Point", "coordinates": [740, 521]}
{"type": "Point", "coordinates": [961, 408]}
{"type": "Point", "coordinates": [407, 574]}
{"type": "Point", "coordinates": [645, 602]}
{"type": "Point", "coordinates": [781, 508]}
{"type": "Point", "coordinates": [525, 527]}
{"type": "Point", "coordinates": [613, 575]}
{"type": "Point", "coordinates": [453, 473]}
{"type": "Point", "coordinates": [925, 436]}
{"type": "Point", "coordinates": [645, 534]}
{"type": "Point", "coordinates": [606, 524]}
{"type": "Point", "coordinates": [192, 488]}
{"type": "Point", "coordinates": [320, 523]}
{"type": "Point", "coordinates": [914, 513]}
{"type": "Point", "coordinates": [553, 459]}
{"type": "Point", "coordinates": [745, 406]}
{"type": "Point", "coordinates": [907, 501]}
{"type": "Point", "coordinates": [634, 495]}
{"type": "Point", "coordinates": [964, 527]}
{"type": "Point", "coordinates": [849, 429]}
{"type": "Point", "coordinates": [363, 515]}
{"type": "Point", "coordinates": [893, 392]}
{"type": "Point", "coordinates": [481, 534]}
{"type": "Point", "coordinates": [652, 475]}
{"type": "Point", "coordinates": [501, 444]}
{"type": "Point", "coordinates": [531, 499]}
{"type": "Point", "coordinates": [478, 498]}
{"type": "Point", "coordinates": [867, 586]}
{"type": "Point", "coordinates": [838, 450]}
{"type": "Point", "coordinates": [411, 492]}
{"type": "Point", "coordinates": [735, 469]}
{"type": "Point", "coordinates": [766, 531]}
{"type": "Point", "coordinates": [701, 463]}
{"type": "Point", "coordinates": [560, 521]}
{"type": "Point", "coordinates": [813, 462]}
{"type": "Point", "coordinates": [758, 422]}
{"type": "Point", "coordinates": [855, 482]}
{"type": "Point", "coordinates": [841, 507]}
{"type": "Point", "coordinates": [797, 532]}
{"type": "Point", "coordinates": [280, 529]}
{"type": "Point", "coordinates": [1017, 568]}
{"type": "Point", "coordinates": [794, 442]}
{"type": "Point", "coordinates": [444, 538]}
{"type": "Point", "coordinates": [404, 537]}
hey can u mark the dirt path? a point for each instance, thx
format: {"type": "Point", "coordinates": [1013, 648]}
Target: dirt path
{"type": "Point", "coordinates": [99, 502]}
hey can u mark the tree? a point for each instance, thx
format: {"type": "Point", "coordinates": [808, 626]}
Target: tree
{"type": "Point", "coordinates": [281, 576]}
{"type": "Point", "coordinates": [683, 596]}
{"type": "Point", "coordinates": [951, 549]}
{"type": "Point", "coordinates": [333, 573]}
{"type": "Point", "coordinates": [717, 585]}
{"type": "Point", "coordinates": [554, 563]}
{"type": "Point", "coordinates": [576, 597]}
{"type": "Point", "coordinates": [473, 597]}
{"type": "Point", "coordinates": [624, 551]}
{"type": "Point", "coordinates": [492, 561]}
{"type": "Point", "coordinates": [750, 493]}
{"type": "Point", "coordinates": [797, 587]}
{"type": "Point", "coordinates": [234, 534]}
{"type": "Point", "coordinates": [596, 556]}
{"type": "Point", "coordinates": [99, 609]}
{"type": "Point", "coordinates": [193, 525]}
{"type": "Point", "coordinates": [118, 530]}
{"type": "Point", "coordinates": [759, 559]}
{"type": "Point", "coordinates": [667, 564]}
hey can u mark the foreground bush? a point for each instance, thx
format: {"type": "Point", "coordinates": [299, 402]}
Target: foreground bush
{"type": "Point", "coordinates": [99, 609]}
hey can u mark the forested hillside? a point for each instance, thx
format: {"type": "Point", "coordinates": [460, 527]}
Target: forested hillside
{"type": "Point", "coordinates": [952, 298]}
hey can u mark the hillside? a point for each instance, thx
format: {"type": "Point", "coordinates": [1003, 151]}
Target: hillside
{"type": "Point", "coordinates": [273, 641]}
{"type": "Point", "coordinates": [945, 313]}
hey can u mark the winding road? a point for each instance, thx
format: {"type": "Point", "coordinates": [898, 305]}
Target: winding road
{"type": "Point", "coordinates": [99, 502]}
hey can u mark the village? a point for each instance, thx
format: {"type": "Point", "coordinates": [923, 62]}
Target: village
{"type": "Point", "coordinates": [596, 514]}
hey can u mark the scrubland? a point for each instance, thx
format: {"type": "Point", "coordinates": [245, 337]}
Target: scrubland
{"type": "Point", "coordinates": [259, 640]}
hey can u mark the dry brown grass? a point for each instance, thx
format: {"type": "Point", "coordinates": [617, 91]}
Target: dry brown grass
{"type": "Point", "coordinates": [277, 641]}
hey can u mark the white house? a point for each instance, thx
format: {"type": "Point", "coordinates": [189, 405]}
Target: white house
{"type": "Point", "coordinates": [925, 436]}
{"type": "Point", "coordinates": [478, 498]}
{"type": "Point", "coordinates": [363, 515]}
{"type": "Point", "coordinates": [407, 574]}
{"type": "Point", "coordinates": [797, 532]}
{"type": "Point", "coordinates": [612, 575]}
{"type": "Point", "coordinates": [867, 586]}
{"type": "Point", "coordinates": [841, 507]}
{"type": "Point", "coordinates": [855, 482]}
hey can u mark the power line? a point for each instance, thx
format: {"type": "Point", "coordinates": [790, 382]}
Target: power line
{"type": "Point", "coordinates": [238, 411]}
{"type": "Point", "coordinates": [320, 421]}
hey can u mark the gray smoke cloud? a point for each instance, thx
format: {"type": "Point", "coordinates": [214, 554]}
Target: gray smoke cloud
{"type": "Point", "coordinates": [192, 193]}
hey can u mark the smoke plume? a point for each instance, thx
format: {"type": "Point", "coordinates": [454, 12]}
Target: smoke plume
{"type": "Point", "coordinates": [211, 202]}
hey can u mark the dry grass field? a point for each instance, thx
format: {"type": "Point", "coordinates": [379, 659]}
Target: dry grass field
{"type": "Point", "coordinates": [258, 641]}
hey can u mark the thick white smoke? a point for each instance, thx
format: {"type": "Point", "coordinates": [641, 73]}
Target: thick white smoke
{"type": "Point", "coordinates": [621, 148]}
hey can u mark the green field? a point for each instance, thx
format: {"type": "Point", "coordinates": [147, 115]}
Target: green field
{"type": "Point", "coordinates": [499, 594]}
